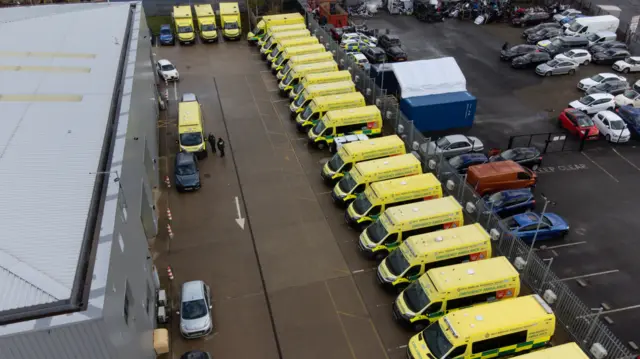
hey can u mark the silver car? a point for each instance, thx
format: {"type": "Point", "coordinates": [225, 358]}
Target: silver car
{"type": "Point", "coordinates": [195, 310]}
{"type": "Point", "coordinates": [453, 145]}
{"type": "Point", "coordinates": [557, 67]}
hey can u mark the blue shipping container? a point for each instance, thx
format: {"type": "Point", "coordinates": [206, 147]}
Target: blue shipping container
{"type": "Point", "coordinates": [441, 112]}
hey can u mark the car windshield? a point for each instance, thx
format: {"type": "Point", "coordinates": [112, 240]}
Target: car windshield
{"type": "Point", "coordinates": [376, 232]}
{"type": "Point", "coordinates": [584, 121]}
{"type": "Point", "coordinates": [415, 297]}
{"type": "Point", "coordinates": [194, 309]}
{"type": "Point", "coordinates": [208, 27]}
{"type": "Point", "coordinates": [610, 52]}
{"type": "Point", "coordinates": [456, 162]}
{"type": "Point", "coordinates": [230, 25]}
{"type": "Point", "coordinates": [575, 26]}
{"type": "Point", "coordinates": [167, 67]}
{"type": "Point", "coordinates": [185, 29]}
{"type": "Point", "coordinates": [397, 263]}
{"type": "Point", "coordinates": [361, 205]}
{"type": "Point", "coordinates": [276, 52]}
{"type": "Point", "coordinates": [308, 111]}
{"type": "Point", "coordinates": [630, 94]}
{"type": "Point", "coordinates": [191, 139]}
{"type": "Point", "coordinates": [567, 12]}
{"type": "Point", "coordinates": [443, 142]}
{"type": "Point", "coordinates": [508, 154]}
{"type": "Point", "coordinates": [597, 78]}
{"type": "Point", "coordinates": [553, 63]}
{"type": "Point", "coordinates": [286, 67]}
{"type": "Point", "coordinates": [267, 43]}
{"type": "Point", "coordinates": [496, 199]}
{"type": "Point", "coordinates": [546, 221]}
{"type": "Point", "coordinates": [298, 87]}
{"type": "Point", "coordinates": [617, 125]}
{"type": "Point", "coordinates": [318, 128]}
{"type": "Point", "coordinates": [436, 340]}
{"type": "Point", "coordinates": [280, 59]}
{"type": "Point", "coordinates": [165, 31]}
{"type": "Point", "coordinates": [593, 37]}
{"type": "Point", "coordinates": [569, 54]}
{"type": "Point", "coordinates": [586, 100]}
{"type": "Point", "coordinates": [186, 169]}
{"type": "Point", "coordinates": [336, 162]}
{"type": "Point", "coordinates": [347, 183]}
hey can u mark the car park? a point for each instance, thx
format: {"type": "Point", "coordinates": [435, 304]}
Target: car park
{"type": "Point", "coordinates": [630, 116]}
{"type": "Point", "coordinates": [512, 201]}
{"type": "Point", "coordinates": [610, 57]}
{"type": "Point", "coordinates": [578, 123]}
{"type": "Point", "coordinates": [611, 126]}
{"type": "Point", "coordinates": [186, 172]}
{"type": "Point", "coordinates": [386, 41]}
{"type": "Point", "coordinates": [452, 145]}
{"type": "Point", "coordinates": [375, 55]}
{"type": "Point", "coordinates": [557, 67]}
{"type": "Point", "coordinates": [530, 60]}
{"type": "Point", "coordinates": [529, 157]}
{"type": "Point", "coordinates": [594, 80]}
{"type": "Point", "coordinates": [628, 98]}
{"type": "Point", "coordinates": [461, 163]}
{"type": "Point", "coordinates": [581, 56]}
{"type": "Point", "coordinates": [544, 34]}
{"type": "Point", "coordinates": [612, 87]}
{"type": "Point", "coordinates": [361, 60]}
{"type": "Point", "coordinates": [544, 25]}
{"type": "Point", "coordinates": [608, 46]}
{"type": "Point", "coordinates": [515, 51]}
{"type": "Point", "coordinates": [396, 54]}
{"type": "Point", "coordinates": [167, 71]}
{"type": "Point", "coordinates": [567, 13]}
{"type": "Point", "coordinates": [526, 225]}
{"type": "Point", "coordinates": [166, 35]}
{"type": "Point", "coordinates": [591, 104]}
{"type": "Point", "coordinates": [629, 64]}
{"type": "Point", "coordinates": [195, 310]}
{"type": "Point", "coordinates": [531, 18]}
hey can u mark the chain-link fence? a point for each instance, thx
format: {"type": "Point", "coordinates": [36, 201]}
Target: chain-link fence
{"type": "Point", "coordinates": [572, 314]}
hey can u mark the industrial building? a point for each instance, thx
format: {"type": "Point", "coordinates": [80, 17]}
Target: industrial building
{"type": "Point", "coordinates": [78, 168]}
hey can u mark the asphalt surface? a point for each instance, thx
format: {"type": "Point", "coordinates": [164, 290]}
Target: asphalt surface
{"type": "Point", "coordinates": [594, 190]}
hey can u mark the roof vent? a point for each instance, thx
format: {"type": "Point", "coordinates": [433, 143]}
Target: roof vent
{"type": "Point", "coordinates": [386, 162]}
{"type": "Point", "coordinates": [438, 239]}
{"type": "Point", "coordinates": [479, 318]}
{"type": "Point", "coordinates": [403, 183]}
{"type": "Point", "coordinates": [415, 210]}
{"type": "Point", "coordinates": [471, 272]}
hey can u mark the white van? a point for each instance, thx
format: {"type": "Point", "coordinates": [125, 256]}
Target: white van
{"type": "Point", "coordinates": [592, 24]}
{"type": "Point", "coordinates": [601, 37]}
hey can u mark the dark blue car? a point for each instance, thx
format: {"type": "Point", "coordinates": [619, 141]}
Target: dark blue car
{"type": "Point", "coordinates": [166, 35]}
{"type": "Point", "coordinates": [524, 226]}
{"type": "Point", "coordinates": [187, 174]}
{"type": "Point", "coordinates": [509, 202]}
{"type": "Point", "coordinates": [462, 163]}
{"type": "Point", "coordinates": [631, 116]}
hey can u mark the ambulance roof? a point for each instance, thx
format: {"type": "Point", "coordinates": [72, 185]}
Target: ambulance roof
{"type": "Point", "coordinates": [564, 351]}
{"type": "Point", "coordinates": [463, 275]}
{"type": "Point", "coordinates": [374, 143]}
{"type": "Point", "coordinates": [413, 211]}
{"type": "Point", "coordinates": [400, 185]}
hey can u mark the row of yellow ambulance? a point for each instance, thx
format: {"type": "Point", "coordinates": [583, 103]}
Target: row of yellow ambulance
{"type": "Point", "coordinates": [325, 103]}
{"type": "Point", "coordinates": [230, 22]}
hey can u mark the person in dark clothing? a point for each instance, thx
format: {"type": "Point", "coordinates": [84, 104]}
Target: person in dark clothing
{"type": "Point", "coordinates": [221, 146]}
{"type": "Point", "coordinates": [505, 46]}
{"type": "Point", "coordinates": [212, 142]}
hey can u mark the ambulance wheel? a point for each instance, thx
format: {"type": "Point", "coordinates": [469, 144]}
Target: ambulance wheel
{"type": "Point", "coordinates": [419, 326]}
{"type": "Point", "coordinates": [321, 145]}
{"type": "Point", "coordinates": [380, 255]}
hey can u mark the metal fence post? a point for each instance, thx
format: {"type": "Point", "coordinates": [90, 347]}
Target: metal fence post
{"type": "Point", "coordinates": [546, 273]}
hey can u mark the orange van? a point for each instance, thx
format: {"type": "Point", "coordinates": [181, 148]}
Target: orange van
{"type": "Point", "coordinates": [497, 176]}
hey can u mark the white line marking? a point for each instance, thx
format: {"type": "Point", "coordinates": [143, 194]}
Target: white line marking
{"type": "Point", "coordinates": [561, 246]}
{"type": "Point", "coordinates": [588, 275]}
{"type": "Point", "coordinates": [600, 167]}
{"type": "Point", "coordinates": [175, 90]}
{"type": "Point", "coordinates": [358, 271]}
{"type": "Point", "coordinates": [276, 101]}
{"type": "Point", "coordinates": [324, 192]}
{"type": "Point", "coordinates": [397, 348]}
{"type": "Point", "coordinates": [383, 305]}
{"type": "Point", "coordinates": [624, 158]}
{"type": "Point", "coordinates": [364, 270]}
{"type": "Point", "coordinates": [269, 71]}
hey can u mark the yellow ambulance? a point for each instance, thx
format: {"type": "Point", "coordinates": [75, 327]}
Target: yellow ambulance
{"type": "Point", "coordinates": [299, 72]}
{"type": "Point", "coordinates": [206, 22]}
{"type": "Point", "coordinates": [564, 351]}
{"type": "Point", "coordinates": [271, 44]}
{"type": "Point", "coordinates": [303, 59]}
{"type": "Point", "coordinates": [315, 78]}
{"type": "Point", "coordinates": [334, 88]}
{"type": "Point", "coordinates": [280, 28]}
{"type": "Point", "coordinates": [293, 51]}
{"type": "Point", "coordinates": [321, 106]}
{"type": "Point", "coordinates": [268, 21]}
{"type": "Point", "coordinates": [190, 126]}
{"type": "Point", "coordinates": [283, 44]}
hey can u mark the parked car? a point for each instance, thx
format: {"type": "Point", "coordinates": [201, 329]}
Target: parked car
{"type": "Point", "coordinates": [530, 18]}
{"type": "Point", "coordinates": [167, 71]}
{"type": "Point", "coordinates": [461, 163]}
{"type": "Point", "coordinates": [454, 145]}
{"type": "Point", "coordinates": [568, 19]}
{"type": "Point", "coordinates": [357, 36]}
{"type": "Point", "coordinates": [354, 45]}
{"type": "Point", "coordinates": [525, 226]}
{"type": "Point", "coordinates": [557, 67]}
{"type": "Point", "coordinates": [515, 51]}
{"type": "Point", "coordinates": [544, 25]}
{"type": "Point", "coordinates": [166, 35]}
{"type": "Point", "coordinates": [529, 157]}
{"type": "Point", "coordinates": [630, 64]}
{"type": "Point", "coordinates": [512, 201]}
{"type": "Point", "coordinates": [582, 57]}
{"type": "Point", "coordinates": [612, 87]}
{"type": "Point", "coordinates": [529, 60]}
{"type": "Point", "coordinates": [591, 104]}
{"type": "Point", "coordinates": [594, 80]}
{"type": "Point", "coordinates": [396, 54]}
{"type": "Point", "coordinates": [195, 310]}
{"type": "Point", "coordinates": [186, 172]}
{"type": "Point", "coordinates": [578, 123]}
{"type": "Point", "coordinates": [544, 34]}
{"type": "Point", "coordinates": [195, 354]}
{"type": "Point", "coordinates": [611, 126]}
{"type": "Point", "coordinates": [338, 32]}
{"type": "Point", "coordinates": [610, 57]}
{"type": "Point", "coordinates": [567, 13]}
{"type": "Point", "coordinates": [628, 98]}
{"type": "Point", "coordinates": [630, 116]}
{"type": "Point", "coordinates": [375, 55]}
{"type": "Point", "coordinates": [386, 41]}
{"type": "Point", "coordinates": [361, 60]}
{"type": "Point", "coordinates": [608, 46]}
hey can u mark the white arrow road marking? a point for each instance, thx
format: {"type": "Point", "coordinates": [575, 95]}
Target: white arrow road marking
{"type": "Point", "coordinates": [239, 220]}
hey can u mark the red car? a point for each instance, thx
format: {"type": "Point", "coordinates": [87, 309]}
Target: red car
{"type": "Point", "coordinates": [578, 123]}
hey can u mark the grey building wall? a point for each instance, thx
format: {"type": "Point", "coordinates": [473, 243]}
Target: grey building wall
{"type": "Point", "coordinates": [164, 7]}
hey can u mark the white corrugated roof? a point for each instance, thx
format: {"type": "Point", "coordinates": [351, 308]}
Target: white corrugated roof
{"type": "Point", "coordinates": [56, 84]}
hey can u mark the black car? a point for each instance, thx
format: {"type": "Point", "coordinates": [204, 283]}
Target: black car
{"type": "Point", "coordinates": [195, 354]}
{"type": "Point", "coordinates": [530, 60]}
{"type": "Point", "coordinates": [525, 156]}
{"type": "Point", "coordinates": [387, 41]}
{"type": "Point", "coordinates": [375, 55]}
{"type": "Point", "coordinates": [396, 54]}
{"type": "Point", "coordinates": [187, 174]}
{"type": "Point", "coordinates": [609, 57]}
{"type": "Point", "coordinates": [530, 18]}
{"type": "Point", "coordinates": [515, 51]}
{"type": "Point", "coordinates": [611, 87]}
{"type": "Point", "coordinates": [544, 25]}
{"type": "Point", "coordinates": [607, 46]}
{"type": "Point", "coordinates": [544, 34]}
{"type": "Point", "coordinates": [462, 163]}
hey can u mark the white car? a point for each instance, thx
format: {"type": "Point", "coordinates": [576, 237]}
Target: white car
{"type": "Point", "coordinates": [594, 103]}
{"type": "Point", "coordinates": [612, 127]}
{"type": "Point", "coordinates": [629, 97]}
{"type": "Point", "coordinates": [359, 37]}
{"type": "Point", "coordinates": [582, 57]}
{"type": "Point", "coordinates": [167, 71]}
{"type": "Point", "coordinates": [569, 12]}
{"type": "Point", "coordinates": [361, 60]}
{"type": "Point", "coordinates": [594, 80]}
{"type": "Point", "coordinates": [630, 64]}
{"type": "Point", "coordinates": [454, 145]}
